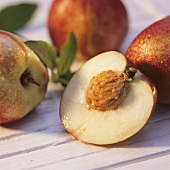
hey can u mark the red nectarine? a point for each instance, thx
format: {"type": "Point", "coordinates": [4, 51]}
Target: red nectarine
{"type": "Point", "coordinates": [150, 52]}
{"type": "Point", "coordinates": [99, 25]}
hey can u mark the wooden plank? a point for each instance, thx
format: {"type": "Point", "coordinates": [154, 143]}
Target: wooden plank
{"type": "Point", "coordinates": [162, 163]}
{"type": "Point", "coordinates": [74, 155]}
{"type": "Point", "coordinates": [114, 157]}
{"type": "Point", "coordinates": [55, 148]}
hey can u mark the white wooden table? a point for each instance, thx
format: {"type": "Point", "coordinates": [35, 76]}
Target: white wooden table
{"type": "Point", "coordinates": [39, 141]}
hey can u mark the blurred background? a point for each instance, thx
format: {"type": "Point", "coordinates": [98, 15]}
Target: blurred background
{"type": "Point", "coordinates": [141, 14]}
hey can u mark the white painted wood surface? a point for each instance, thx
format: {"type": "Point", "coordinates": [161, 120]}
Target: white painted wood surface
{"type": "Point", "coordinates": [39, 141]}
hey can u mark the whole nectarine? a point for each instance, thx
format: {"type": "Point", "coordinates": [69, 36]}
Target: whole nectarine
{"type": "Point", "coordinates": [99, 25]}
{"type": "Point", "coordinates": [150, 52]}
{"type": "Point", "coordinates": [23, 78]}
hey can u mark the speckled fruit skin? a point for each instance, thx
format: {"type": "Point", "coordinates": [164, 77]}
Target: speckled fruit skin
{"type": "Point", "coordinates": [99, 25]}
{"type": "Point", "coordinates": [150, 53]}
{"type": "Point", "coordinates": [17, 99]}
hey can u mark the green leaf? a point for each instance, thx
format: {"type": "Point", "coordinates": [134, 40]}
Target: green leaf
{"type": "Point", "coordinates": [66, 78]}
{"type": "Point", "coordinates": [15, 16]}
{"type": "Point", "coordinates": [60, 66]}
{"type": "Point", "coordinates": [45, 52]}
{"type": "Point", "coordinates": [67, 55]}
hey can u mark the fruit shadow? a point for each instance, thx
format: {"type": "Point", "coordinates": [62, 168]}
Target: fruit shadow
{"type": "Point", "coordinates": [42, 118]}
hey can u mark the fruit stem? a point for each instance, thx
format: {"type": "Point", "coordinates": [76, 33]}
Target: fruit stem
{"type": "Point", "coordinates": [129, 73]}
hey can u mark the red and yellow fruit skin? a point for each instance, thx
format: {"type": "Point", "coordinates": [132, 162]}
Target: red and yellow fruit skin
{"type": "Point", "coordinates": [15, 57]}
{"type": "Point", "coordinates": [150, 53]}
{"type": "Point", "coordinates": [99, 25]}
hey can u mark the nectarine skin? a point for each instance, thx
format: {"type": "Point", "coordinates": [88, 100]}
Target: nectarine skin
{"type": "Point", "coordinates": [17, 99]}
{"type": "Point", "coordinates": [99, 25]}
{"type": "Point", "coordinates": [150, 53]}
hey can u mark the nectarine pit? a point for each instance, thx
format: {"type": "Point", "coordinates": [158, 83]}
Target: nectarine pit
{"type": "Point", "coordinates": [26, 78]}
{"type": "Point", "coordinates": [108, 89]}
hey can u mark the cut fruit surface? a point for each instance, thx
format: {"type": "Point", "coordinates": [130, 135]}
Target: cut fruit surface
{"type": "Point", "coordinates": [110, 125]}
